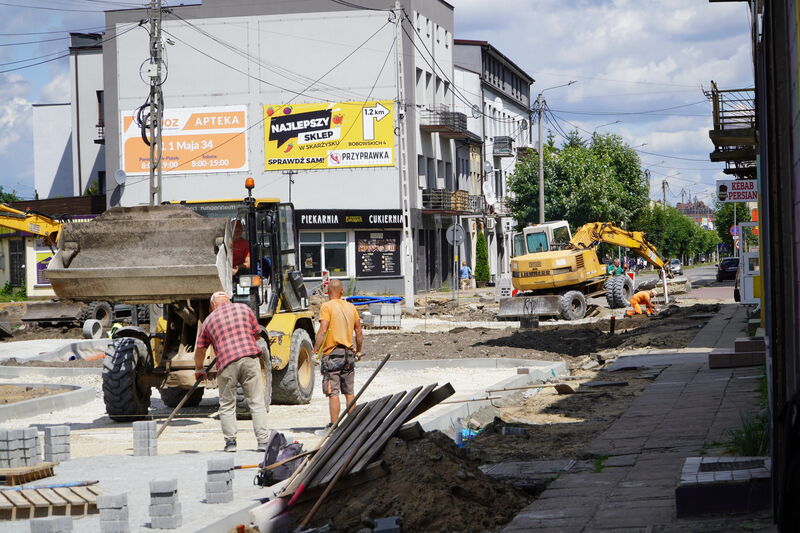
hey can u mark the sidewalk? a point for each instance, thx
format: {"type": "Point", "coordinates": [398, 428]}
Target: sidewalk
{"type": "Point", "coordinates": [685, 411]}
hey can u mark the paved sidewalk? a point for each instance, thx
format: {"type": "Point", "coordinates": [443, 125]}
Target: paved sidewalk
{"type": "Point", "coordinates": [685, 411]}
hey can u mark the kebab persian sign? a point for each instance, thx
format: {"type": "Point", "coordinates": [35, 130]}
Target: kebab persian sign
{"type": "Point", "coordinates": [737, 190]}
{"type": "Point", "coordinates": [329, 135]}
{"type": "Point", "coordinates": [195, 140]}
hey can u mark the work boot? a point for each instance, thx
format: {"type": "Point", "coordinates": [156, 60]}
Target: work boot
{"type": "Point", "coordinates": [230, 445]}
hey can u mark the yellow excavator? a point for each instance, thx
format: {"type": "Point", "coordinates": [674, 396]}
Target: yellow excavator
{"type": "Point", "coordinates": [175, 256]}
{"type": "Point", "coordinates": [556, 276]}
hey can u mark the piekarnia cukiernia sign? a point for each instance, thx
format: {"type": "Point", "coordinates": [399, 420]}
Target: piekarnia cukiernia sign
{"type": "Point", "coordinates": [350, 218]}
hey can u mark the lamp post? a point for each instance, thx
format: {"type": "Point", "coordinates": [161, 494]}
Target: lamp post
{"type": "Point", "coordinates": [539, 109]}
{"type": "Point", "coordinates": [594, 131]}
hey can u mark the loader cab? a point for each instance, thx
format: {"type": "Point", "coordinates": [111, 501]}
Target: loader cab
{"type": "Point", "coordinates": [545, 237]}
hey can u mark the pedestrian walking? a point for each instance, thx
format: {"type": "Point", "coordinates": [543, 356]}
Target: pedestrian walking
{"type": "Point", "coordinates": [338, 324]}
{"type": "Point", "coordinates": [465, 275]}
{"type": "Point", "coordinates": [233, 331]}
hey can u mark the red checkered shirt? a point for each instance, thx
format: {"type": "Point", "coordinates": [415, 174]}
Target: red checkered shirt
{"type": "Point", "coordinates": [232, 330]}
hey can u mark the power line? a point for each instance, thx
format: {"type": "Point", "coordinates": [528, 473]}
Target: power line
{"type": "Point", "coordinates": [630, 112]}
{"type": "Point", "coordinates": [670, 156]}
{"type": "Point", "coordinates": [35, 42]}
{"type": "Point", "coordinates": [51, 8]}
{"type": "Point", "coordinates": [356, 6]}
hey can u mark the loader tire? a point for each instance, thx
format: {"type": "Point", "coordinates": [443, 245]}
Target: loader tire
{"type": "Point", "coordinates": [242, 409]}
{"type": "Point", "coordinates": [100, 311]}
{"type": "Point", "coordinates": [619, 290]}
{"type": "Point", "coordinates": [126, 400]}
{"type": "Point", "coordinates": [172, 397]}
{"type": "Point", "coordinates": [573, 305]}
{"type": "Point", "coordinates": [294, 384]}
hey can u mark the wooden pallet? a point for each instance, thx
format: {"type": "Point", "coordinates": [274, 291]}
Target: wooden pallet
{"type": "Point", "coordinates": [26, 474]}
{"type": "Point", "coordinates": [38, 503]}
{"type": "Point", "coordinates": [368, 326]}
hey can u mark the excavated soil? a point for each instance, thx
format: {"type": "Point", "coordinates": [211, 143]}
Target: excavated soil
{"type": "Point", "coordinates": [19, 393]}
{"type": "Point", "coordinates": [31, 332]}
{"type": "Point", "coordinates": [675, 327]}
{"type": "Point", "coordinates": [77, 363]}
{"type": "Point", "coordinates": [457, 496]}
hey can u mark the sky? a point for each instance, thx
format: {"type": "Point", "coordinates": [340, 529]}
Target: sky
{"type": "Point", "coordinates": [644, 63]}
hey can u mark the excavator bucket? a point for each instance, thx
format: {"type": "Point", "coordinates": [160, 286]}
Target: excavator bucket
{"type": "Point", "coordinates": [54, 311]}
{"type": "Point", "coordinates": [148, 254]}
{"type": "Point", "coordinates": [517, 307]}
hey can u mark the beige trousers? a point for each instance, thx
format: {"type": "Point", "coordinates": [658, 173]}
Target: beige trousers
{"type": "Point", "coordinates": [247, 372]}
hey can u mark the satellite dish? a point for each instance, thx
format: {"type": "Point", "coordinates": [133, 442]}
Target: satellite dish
{"type": "Point", "coordinates": [476, 111]}
{"type": "Point", "coordinates": [488, 192]}
{"type": "Point", "coordinates": [488, 168]}
{"type": "Point", "coordinates": [120, 177]}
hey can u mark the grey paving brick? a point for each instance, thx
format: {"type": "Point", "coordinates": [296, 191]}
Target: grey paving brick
{"type": "Point", "coordinates": [220, 465]}
{"type": "Point", "coordinates": [56, 524]}
{"type": "Point", "coordinates": [166, 522]}
{"type": "Point", "coordinates": [114, 515]}
{"type": "Point", "coordinates": [165, 509]}
{"type": "Point", "coordinates": [30, 432]}
{"type": "Point", "coordinates": [219, 476]}
{"type": "Point", "coordinates": [114, 526]}
{"type": "Point", "coordinates": [168, 498]}
{"type": "Point", "coordinates": [112, 501]}
{"type": "Point", "coordinates": [218, 486]}
{"type": "Point", "coordinates": [219, 497]}
{"type": "Point", "coordinates": [55, 431]}
{"type": "Point", "coordinates": [56, 448]}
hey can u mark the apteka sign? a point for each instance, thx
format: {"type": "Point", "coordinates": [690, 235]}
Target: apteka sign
{"type": "Point", "coordinates": [737, 190]}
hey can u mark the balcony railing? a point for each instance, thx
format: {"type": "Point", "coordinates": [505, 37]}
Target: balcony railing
{"type": "Point", "coordinates": [500, 207]}
{"type": "Point", "coordinates": [734, 133]}
{"type": "Point", "coordinates": [503, 146]}
{"type": "Point", "coordinates": [101, 134]}
{"type": "Point", "coordinates": [444, 200]}
{"type": "Point", "coordinates": [447, 123]}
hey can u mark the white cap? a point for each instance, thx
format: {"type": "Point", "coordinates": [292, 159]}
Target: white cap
{"type": "Point", "coordinates": [217, 295]}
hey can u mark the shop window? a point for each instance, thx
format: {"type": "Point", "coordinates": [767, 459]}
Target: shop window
{"type": "Point", "coordinates": [323, 250]}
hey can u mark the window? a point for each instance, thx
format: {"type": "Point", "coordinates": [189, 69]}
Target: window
{"type": "Point", "coordinates": [537, 242]}
{"type": "Point", "coordinates": [561, 237]}
{"type": "Point", "coordinates": [323, 250]}
{"type": "Point", "coordinates": [100, 108]}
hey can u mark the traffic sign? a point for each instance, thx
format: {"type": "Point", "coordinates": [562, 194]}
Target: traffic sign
{"type": "Point", "coordinates": [735, 230]}
{"type": "Point", "coordinates": [455, 234]}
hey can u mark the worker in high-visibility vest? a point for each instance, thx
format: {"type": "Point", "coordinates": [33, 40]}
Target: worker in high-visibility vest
{"type": "Point", "coordinates": [642, 298]}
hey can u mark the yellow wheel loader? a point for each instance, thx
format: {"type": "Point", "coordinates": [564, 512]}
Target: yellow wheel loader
{"type": "Point", "coordinates": [174, 257]}
{"type": "Point", "coordinates": [556, 274]}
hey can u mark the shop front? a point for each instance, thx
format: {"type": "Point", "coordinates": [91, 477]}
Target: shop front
{"type": "Point", "coordinates": [359, 246]}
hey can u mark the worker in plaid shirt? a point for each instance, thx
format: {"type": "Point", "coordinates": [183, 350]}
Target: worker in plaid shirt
{"type": "Point", "coordinates": [233, 331]}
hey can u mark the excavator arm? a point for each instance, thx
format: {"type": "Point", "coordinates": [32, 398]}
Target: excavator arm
{"type": "Point", "coordinates": [30, 222]}
{"type": "Point", "coordinates": [593, 233]}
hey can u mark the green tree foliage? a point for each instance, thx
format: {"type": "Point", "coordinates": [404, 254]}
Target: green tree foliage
{"type": "Point", "coordinates": [7, 197]}
{"type": "Point", "coordinates": [673, 234]}
{"type": "Point", "coordinates": [481, 259]}
{"type": "Point", "coordinates": [723, 219]}
{"type": "Point", "coordinates": [585, 181]}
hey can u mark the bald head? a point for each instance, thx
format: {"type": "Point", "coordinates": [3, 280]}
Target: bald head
{"type": "Point", "coordinates": [652, 294]}
{"type": "Point", "coordinates": [335, 289]}
{"type": "Point", "coordinates": [219, 298]}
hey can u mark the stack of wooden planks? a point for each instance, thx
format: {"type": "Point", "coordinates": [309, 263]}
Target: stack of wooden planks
{"type": "Point", "coordinates": [39, 503]}
{"type": "Point", "coordinates": [360, 438]}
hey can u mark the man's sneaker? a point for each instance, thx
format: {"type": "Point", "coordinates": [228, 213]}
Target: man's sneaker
{"type": "Point", "coordinates": [230, 445]}
{"type": "Point", "coordinates": [324, 431]}
{"type": "Point", "coordinates": [262, 447]}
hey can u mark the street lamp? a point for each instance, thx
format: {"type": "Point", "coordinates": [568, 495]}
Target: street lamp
{"type": "Point", "coordinates": [604, 125]}
{"type": "Point", "coordinates": [539, 109]}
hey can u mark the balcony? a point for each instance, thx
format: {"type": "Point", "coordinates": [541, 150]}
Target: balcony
{"type": "Point", "coordinates": [503, 146]}
{"type": "Point", "coordinates": [101, 134]}
{"type": "Point", "coordinates": [501, 207]}
{"type": "Point", "coordinates": [734, 133]}
{"type": "Point", "coordinates": [451, 201]}
{"type": "Point", "coordinates": [447, 123]}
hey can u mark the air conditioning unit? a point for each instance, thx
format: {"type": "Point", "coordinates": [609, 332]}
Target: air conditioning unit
{"type": "Point", "coordinates": [508, 226]}
{"type": "Point", "coordinates": [490, 223]}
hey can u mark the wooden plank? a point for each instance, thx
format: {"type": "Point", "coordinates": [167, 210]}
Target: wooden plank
{"type": "Point", "coordinates": [378, 412]}
{"type": "Point", "coordinates": [41, 507]}
{"type": "Point", "coordinates": [410, 431]}
{"type": "Point", "coordinates": [373, 471]}
{"type": "Point", "coordinates": [23, 509]}
{"type": "Point", "coordinates": [433, 399]}
{"type": "Point", "coordinates": [89, 496]}
{"type": "Point", "coordinates": [59, 505]}
{"type": "Point", "coordinates": [330, 444]}
{"type": "Point", "coordinates": [6, 508]}
{"type": "Point", "coordinates": [77, 505]}
{"type": "Point", "coordinates": [387, 429]}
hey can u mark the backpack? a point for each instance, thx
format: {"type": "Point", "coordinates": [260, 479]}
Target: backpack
{"type": "Point", "coordinates": [278, 450]}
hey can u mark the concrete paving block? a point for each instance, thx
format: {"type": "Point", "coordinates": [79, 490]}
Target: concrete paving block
{"type": "Point", "coordinates": [3, 434]}
{"type": "Point", "coordinates": [164, 498]}
{"type": "Point", "coordinates": [58, 439]}
{"type": "Point", "coordinates": [115, 515]}
{"type": "Point", "coordinates": [15, 434]}
{"type": "Point", "coordinates": [114, 526]}
{"type": "Point", "coordinates": [56, 448]}
{"type": "Point", "coordinates": [162, 486]}
{"type": "Point", "coordinates": [219, 476]}
{"type": "Point", "coordinates": [112, 501]}
{"type": "Point", "coordinates": [30, 432]}
{"type": "Point", "coordinates": [56, 524]}
{"type": "Point", "coordinates": [218, 486]}
{"type": "Point", "coordinates": [166, 522]}
{"type": "Point", "coordinates": [165, 509]}
{"type": "Point", "coordinates": [219, 497]}
{"type": "Point", "coordinates": [220, 465]}
{"type": "Point", "coordinates": [55, 431]}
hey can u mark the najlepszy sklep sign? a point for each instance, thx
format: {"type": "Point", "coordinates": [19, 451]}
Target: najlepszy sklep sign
{"type": "Point", "coordinates": [737, 190]}
{"type": "Point", "coordinates": [329, 135]}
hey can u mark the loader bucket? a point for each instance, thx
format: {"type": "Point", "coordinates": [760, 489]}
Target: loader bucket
{"type": "Point", "coordinates": [54, 311]}
{"type": "Point", "coordinates": [148, 254]}
{"type": "Point", "coordinates": [517, 307]}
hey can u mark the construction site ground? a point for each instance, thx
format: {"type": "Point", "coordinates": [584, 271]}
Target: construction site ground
{"type": "Point", "coordinates": [434, 485]}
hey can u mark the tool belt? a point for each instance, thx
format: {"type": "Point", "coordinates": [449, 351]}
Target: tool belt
{"type": "Point", "coordinates": [340, 359]}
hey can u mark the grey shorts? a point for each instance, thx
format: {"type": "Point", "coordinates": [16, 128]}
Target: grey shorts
{"type": "Point", "coordinates": [340, 382]}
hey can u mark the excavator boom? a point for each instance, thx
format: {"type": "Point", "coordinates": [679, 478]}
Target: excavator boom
{"type": "Point", "coordinates": [593, 233]}
{"type": "Point", "coordinates": [30, 222]}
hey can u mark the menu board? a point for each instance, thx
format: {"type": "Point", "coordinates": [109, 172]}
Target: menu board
{"type": "Point", "coordinates": [377, 253]}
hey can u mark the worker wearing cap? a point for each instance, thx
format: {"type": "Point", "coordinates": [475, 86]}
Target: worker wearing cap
{"type": "Point", "coordinates": [338, 324]}
{"type": "Point", "coordinates": [233, 331]}
{"type": "Point", "coordinates": [642, 298]}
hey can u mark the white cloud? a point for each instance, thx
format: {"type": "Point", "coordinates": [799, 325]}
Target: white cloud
{"type": "Point", "coordinates": [56, 90]}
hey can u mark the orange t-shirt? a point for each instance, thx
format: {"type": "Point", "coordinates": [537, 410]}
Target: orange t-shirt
{"type": "Point", "coordinates": [342, 318]}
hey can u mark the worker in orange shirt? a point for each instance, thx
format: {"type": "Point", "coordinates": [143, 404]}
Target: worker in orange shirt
{"type": "Point", "coordinates": [642, 298]}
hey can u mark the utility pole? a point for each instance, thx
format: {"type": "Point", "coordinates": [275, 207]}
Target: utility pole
{"type": "Point", "coordinates": [290, 173]}
{"type": "Point", "coordinates": [156, 101]}
{"type": "Point", "coordinates": [405, 189]}
{"type": "Point", "coordinates": [539, 106]}
{"type": "Point", "coordinates": [664, 193]}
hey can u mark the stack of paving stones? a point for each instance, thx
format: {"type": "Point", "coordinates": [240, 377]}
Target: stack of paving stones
{"type": "Point", "coordinates": [145, 441]}
{"type": "Point", "coordinates": [19, 447]}
{"type": "Point", "coordinates": [165, 509]}
{"type": "Point", "coordinates": [383, 315]}
{"type": "Point", "coordinates": [113, 513]}
{"type": "Point", "coordinates": [219, 484]}
{"type": "Point", "coordinates": [56, 524]}
{"type": "Point", "coordinates": [56, 444]}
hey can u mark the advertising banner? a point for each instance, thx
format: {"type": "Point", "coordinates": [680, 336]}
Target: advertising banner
{"type": "Point", "coordinates": [195, 139]}
{"type": "Point", "coordinates": [737, 190]}
{"type": "Point", "coordinates": [377, 253]}
{"type": "Point", "coordinates": [329, 135]}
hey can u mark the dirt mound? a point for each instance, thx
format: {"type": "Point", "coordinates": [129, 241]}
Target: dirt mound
{"type": "Point", "coordinates": [20, 393]}
{"type": "Point", "coordinates": [457, 495]}
{"type": "Point", "coordinates": [77, 363]}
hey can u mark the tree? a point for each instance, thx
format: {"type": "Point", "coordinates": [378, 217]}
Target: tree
{"type": "Point", "coordinates": [8, 197]}
{"type": "Point", "coordinates": [723, 220]}
{"type": "Point", "coordinates": [481, 259]}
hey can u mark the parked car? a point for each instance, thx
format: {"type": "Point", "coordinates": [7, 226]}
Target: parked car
{"type": "Point", "coordinates": [727, 268]}
{"type": "Point", "coordinates": [675, 267]}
